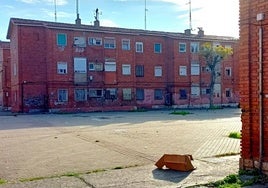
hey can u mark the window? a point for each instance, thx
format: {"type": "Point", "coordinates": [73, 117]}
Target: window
{"type": "Point", "coordinates": [109, 43]}
{"type": "Point", "coordinates": [126, 69]}
{"type": "Point", "coordinates": [205, 91]}
{"type": "Point", "coordinates": [125, 44]}
{"type": "Point", "coordinates": [80, 65]}
{"type": "Point", "coordinates": [111, 93]}
{"type": "Point", "coordinates": [228, 71]}
{"type": "Point", "coordinates": [139, 71]}
{"type": "Point", "coordinates": [91, 66]}
{"type": "Point", "coordinates": [94, 41]}
{"type": "Point", "coordinates": [183, 94]}
{"type": "Point", "coordinates": [139, 94]}
{"type": "Point", "coordinates": [80, 42]}
{"type": "Point", "coordinates": [216, 44]}
{"type": "Point", "coordinates": [62, 95]}
{"type": "Point", "coordinates": [95, 93]}
{"type": "Point", "coordinates": [183, 71]}
{"type": "Point", "coordinates": [62, 67]}
{"type": "Point", "coordinates": [157, 48]}
{"type": "Point", "coordinates": [157, 71]}
{"type": "Point", "coordinates": [195, 69]}
{"type": "Point", "coordinates": [182, 47]}
{"type": "Point", "coordinates": [61, 39]}
{"type": "Point", "coordinates": [110, 66]}
{"type": "Point", "coordinates": [139, 47]}
{"type": "Point", "coordinates": [127, 94]}
{"type": "Point", "coordinates": [80, 95]}
{"type": "Point", "coordinates": [228, 93]}
{"type": "Point", "coordinates": [194, 47]}
{"type": "Point", "coordinates": [195, 91]}
{"type": "Point", "coordinates": [158, 94]}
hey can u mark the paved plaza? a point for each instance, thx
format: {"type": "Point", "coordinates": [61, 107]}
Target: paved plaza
{"type": "Point", "coordinates": [93, 145]}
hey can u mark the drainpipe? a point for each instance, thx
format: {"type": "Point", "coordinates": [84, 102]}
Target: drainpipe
{"type": "Point", "coordinates": [260, 17]}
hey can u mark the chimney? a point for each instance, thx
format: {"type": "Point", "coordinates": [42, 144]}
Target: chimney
{"type": "Point", "coordinates": [78, 20]}
{"type": "Point", "coordinates": [97, 21]}
{"type": "Point", "coordinates": [200, 32]}
{"type": "Point", "coordinates": [187, 31]}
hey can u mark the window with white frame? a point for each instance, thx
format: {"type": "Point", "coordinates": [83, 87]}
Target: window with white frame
{"type": "Point", "coordinates": [228, 71]}
{"type": "Point", "coordinates": [182, 47]}
{"type": "Point", "coordinates": [80, 65]}
{"type": "Point", "coordinates": [110, 66]}
{"type": "Point", "coordinates": [195, 69]}
{"type": "Point", "coordinates": [126, 69]}
{"type": "Point", "coordinates": [157, 48]}
{"type": "Point", "coordinates": [125, 44]}
{"type": "Point", "coordinates": [80, 95]}
{"type": "Point", "coordinates": [139, 47]}
{"type": "Point", "coordinates": [109, 43]}
{"type": "Point", "coordinates": [127, 94]}
{"type": "Point", "coordinates": [94, 41]}
{"type": "Point", "coordinates": [139, 94]}
{"type": "Point", "coordinates": [183, 70]}
{"type": "Point", "coordinates": [194, 47]}
{"type": "Point", "coordinates": [62, 67]}
{"type": "Point", "coordinates": [62, 95]}
{"type": "Point", "coordinates": [158, 71]}
{"type": "Point", "coordinates": [195, 91]}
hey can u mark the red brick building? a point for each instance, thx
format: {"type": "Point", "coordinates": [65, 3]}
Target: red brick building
{"type": "Point", "coordinates": [253, 59]}
{"type": "Point", "coordinates": [5, 82]}
{"type": "Point", "coordinates": [74, 67]}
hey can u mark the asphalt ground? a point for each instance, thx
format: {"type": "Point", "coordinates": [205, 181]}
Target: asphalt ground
{"type": "Point", "coordinates": [116, 149]}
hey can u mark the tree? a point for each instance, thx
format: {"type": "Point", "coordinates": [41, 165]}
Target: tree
{"type": "Point", "coordinates": [213, 55]}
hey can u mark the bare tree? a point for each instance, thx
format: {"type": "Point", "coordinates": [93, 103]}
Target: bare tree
{"type": "Point", "coordinates": [213, 55]}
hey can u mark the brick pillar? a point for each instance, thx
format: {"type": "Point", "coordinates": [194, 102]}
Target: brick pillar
{"type": "Point", "coordinates": [249, 83]}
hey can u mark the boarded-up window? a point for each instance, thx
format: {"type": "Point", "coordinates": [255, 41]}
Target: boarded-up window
{"type": "Point", "coordinates": [183, 71]}
{"type": "Point", "coordinates": [195, 69]}
{"type": "Point", "coordinates": [157, 71]}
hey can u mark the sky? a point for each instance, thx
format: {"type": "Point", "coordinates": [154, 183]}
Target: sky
{"type": "Point", "coordinates": [216, 17]}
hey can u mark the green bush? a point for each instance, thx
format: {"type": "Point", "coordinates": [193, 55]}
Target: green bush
{"type": "Point", "coordinates": [236, 135]}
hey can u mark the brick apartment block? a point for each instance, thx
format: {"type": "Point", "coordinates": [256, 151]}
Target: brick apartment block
{"type": "Point", "coordinates": [74, 67]}
{"type": "Point", "coordinates": [5, 82]}
{"type": "Point", "coordinates": [253, 60]}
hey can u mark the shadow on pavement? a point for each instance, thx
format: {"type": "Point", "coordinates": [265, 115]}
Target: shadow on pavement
{"type": "Point", "coordinates": [170, 175]}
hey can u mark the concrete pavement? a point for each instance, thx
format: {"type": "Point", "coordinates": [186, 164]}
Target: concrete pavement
{"type": "Point", "coordinates": [116, 149]}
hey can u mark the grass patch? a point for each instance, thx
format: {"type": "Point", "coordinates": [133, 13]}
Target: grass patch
{"type": "Point", "coordinates": [183, 113]}
{"type": "Point", "coordinates": [235, 135]}
{"type": "Point", "coordinates": [2, 181]}
{"type": "Point", "coordinates": [33, 179]}
{"type": "Point", "coordinates": [242, 179]}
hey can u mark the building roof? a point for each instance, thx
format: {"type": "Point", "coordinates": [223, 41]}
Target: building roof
{"type": "Point", "coordinates": [4, 44]}
{"type": "Point", "coordinates": [115, 30]}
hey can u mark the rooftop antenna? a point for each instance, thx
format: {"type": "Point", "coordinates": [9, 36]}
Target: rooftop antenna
{"type": "Point", "coordinates": [78, 20]}
{"type": "Point", "coordinates": [55, 7]}
{"type": "Point", "coordinates": [190, 15]}
{"type": "Point", "coordinates": [145, 14]}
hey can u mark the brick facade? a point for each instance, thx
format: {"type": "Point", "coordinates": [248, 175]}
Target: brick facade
{"type": "Point", "coordinates": [253, 88]}
{"type": "Point", "coordinates": [5, 82]}
{"type": "Point", "coordinates": [104, 68]}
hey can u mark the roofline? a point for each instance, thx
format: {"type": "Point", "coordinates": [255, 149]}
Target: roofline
{"type": "Point", "coordinates": [112, 30]}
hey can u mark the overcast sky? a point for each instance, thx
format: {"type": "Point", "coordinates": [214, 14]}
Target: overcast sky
{"type": "Point", "coordinates": [216, 17]}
